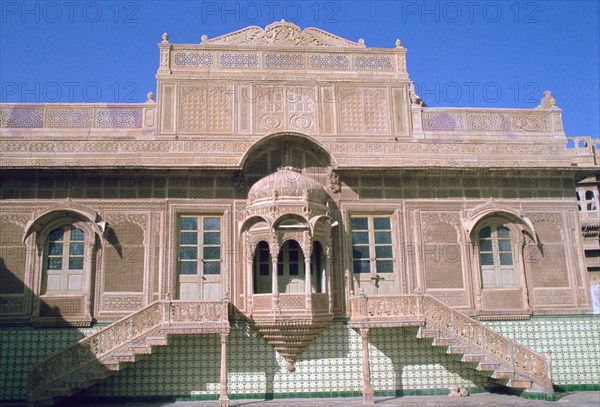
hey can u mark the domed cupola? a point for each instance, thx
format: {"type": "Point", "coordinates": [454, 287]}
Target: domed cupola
{"type": "Point", "coordinates": [286, 237]}
{"type": "Point", "coordinates": [286, 185]}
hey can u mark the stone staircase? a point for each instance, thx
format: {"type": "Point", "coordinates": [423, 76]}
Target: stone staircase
{"type": "Point", "coordinates": [509, 363]}
{"type": "Point", "coordinates": [120, 344]}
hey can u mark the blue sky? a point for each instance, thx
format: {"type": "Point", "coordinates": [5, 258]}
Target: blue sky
{"type": "Point", "coordinates": [460, 53]}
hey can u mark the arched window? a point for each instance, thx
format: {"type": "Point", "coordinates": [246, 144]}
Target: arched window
{"type": "Point", "coordinates": [590, 201]}
{"type": "Point", "coordinates": [64, 269]}
{"type": "Point", "coordinates": [262, 269]}
{"type": "Point", "coordinates": [290, 268]}
{"type": "Point", "coordinates": [496, 257]}
{"type": "Point", "coordinates": [317, 268]}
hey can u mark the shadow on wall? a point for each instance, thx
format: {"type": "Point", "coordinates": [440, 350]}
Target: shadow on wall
{"type": "Point", "coordinates": [23, 345]}
{"type": "Point", "coordinates": [189, 368]}
{"type": "Point", "coordinates": [419, 365]}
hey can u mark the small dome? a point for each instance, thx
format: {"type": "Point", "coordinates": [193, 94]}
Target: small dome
{"type": "Point", "coordinates": [287, 184]}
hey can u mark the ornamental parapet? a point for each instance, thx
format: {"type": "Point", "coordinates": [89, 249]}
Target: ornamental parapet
{"type": "Point", "coordinates": [281, 47]}
{"type": "Point", "coordinates": [77, 116]}
{"type": "Point", "coordinates": [583, 150]}
{"type": "Point", "coordinates": [505, 122]}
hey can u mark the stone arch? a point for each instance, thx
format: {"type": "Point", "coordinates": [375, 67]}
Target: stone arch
{"type": "Point", "coordinates": [278, 150]}
{"type": "Point", "coordinates": [501, 213]}
{"type": "Point", "coordinates": [501, 287]}
{"type": "Point", "coordinates": [68, 210]}
{"type": "Point", "coordinates": [272, 141]}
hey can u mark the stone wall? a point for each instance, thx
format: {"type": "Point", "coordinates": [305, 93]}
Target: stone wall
{"type": "Point", "coordinates": [189, 366]}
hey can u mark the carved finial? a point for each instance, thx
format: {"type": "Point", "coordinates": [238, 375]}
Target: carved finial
{"type": "Point", "coordinates": [398, 43]}
{"type": "Point", "coordinates": [283, 20]}
{"type": "Point", "coordinates": [150, 97]}
{"type": "Point", "coordinates": [165, 38]}
{"type": "Point", "coordinates": [547, 102]}
{"type": "Point", "coordinates": [361, 42]}
{"type": "Point", "coordinates": [203, 39]}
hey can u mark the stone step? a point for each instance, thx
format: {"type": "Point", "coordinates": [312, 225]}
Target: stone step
{"type": "Point", "coordinates": [157, 340]}
{"type": "Point", "coordinates": [457, 349]}
{"type": "Point", "coordinates": [520, 383]}
{"type": "Point", "coordinates": [425, 333]}
{"type": "Point", "coordinates": [472, 357]}
{"type": "Point", "coordinates": [503, 374]}
{"type": "Point", "coordinates": [141, 349]}
{"type": "Point", "coordinates": [110, 365]}
{"type": "Point", "coordinates": [443, 342]}
{"type": "Point", "coordinates": [487, 366]}
{"type": "Point", "coordinates": [124, 357]}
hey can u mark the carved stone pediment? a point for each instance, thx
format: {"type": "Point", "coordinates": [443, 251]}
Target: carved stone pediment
{"type": "Point", "coordinates": [282, 33]}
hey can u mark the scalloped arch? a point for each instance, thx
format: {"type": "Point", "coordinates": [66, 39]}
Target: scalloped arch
{"type": "Point", "coordinates": [510, 215]}
{"type": "Point", "coordinates": [68, 208]}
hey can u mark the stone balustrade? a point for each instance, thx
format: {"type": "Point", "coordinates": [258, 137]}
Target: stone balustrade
{"type": "Point", "coordinates": [507, 122]}
{"type": "Point", "coordinates": [77, 115]}
{"type": "Point", "coordinates": [94, 350]}
{"type": "Point", "coordinates": [455, 324]}
{"type": "Point", "coordinates": [386, 311]}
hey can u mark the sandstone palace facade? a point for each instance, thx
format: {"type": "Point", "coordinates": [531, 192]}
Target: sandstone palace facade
{"type": "Point", "coordinates": [288, 218]}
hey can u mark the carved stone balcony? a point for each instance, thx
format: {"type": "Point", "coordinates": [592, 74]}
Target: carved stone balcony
{"type": "Point", "coordinates": [386, 311]}
{"type": "Point", "coordinates": [290, 306]}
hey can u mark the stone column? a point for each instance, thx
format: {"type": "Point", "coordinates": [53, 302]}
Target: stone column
{"type": "Point", "coordinates": [307, 282]}
{"type": "Point", "coordinates": [275, 278]}
{"type": "Point", "coordinates": [367, 390]}
{"type": "Point", "coordinates": [329, 287]}
{"type": "Point", "coordinates": [250, 275]}
{"type": "Point", "coordinates": [223, 397]}
{"type": "Point", "coordinates": [88, 275]}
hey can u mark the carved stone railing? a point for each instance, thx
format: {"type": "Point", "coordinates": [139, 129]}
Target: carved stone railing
{"type": "Point", "coordinates": [580, 145]}
{"type": "Point", "coordinates": [91, 349]}
{"type": "Point", "coordinates": [281, 46]}
{"type": "Point", "coordinates": [292, 302]}
{"type": "Point", "coordinates": [262, 302]}
{"type": "Point", "coordinates": [383, 311]}
{"type": "Point", "coordinates": [198, 58]}
{"type": "Point", "coordinates": [504, 121]}
{"type": "Point", "coordinates": [453, 323]}
{"type": "Point", "coordinates": [96, 349]}
{"type": "Point", "coordinates": [77, 115]}
{"type": "Point", "coordinates": [386, 311]}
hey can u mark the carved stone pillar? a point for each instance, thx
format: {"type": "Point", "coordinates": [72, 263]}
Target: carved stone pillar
{"type": "Point", "coordinates": [328, 288]}
{"type": "Point", "coordinates": [307, 281]}
{"type": "Point", "coordinates": [275, 278]}
{"type": "Point", "coordinates": [88, 262]}
{"type": "Point", "coordinates": [249, 276]}
{"type": "Point", "coordinates": [367, 390]}
{"type": "Point", "coordinates": [223, 397]}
